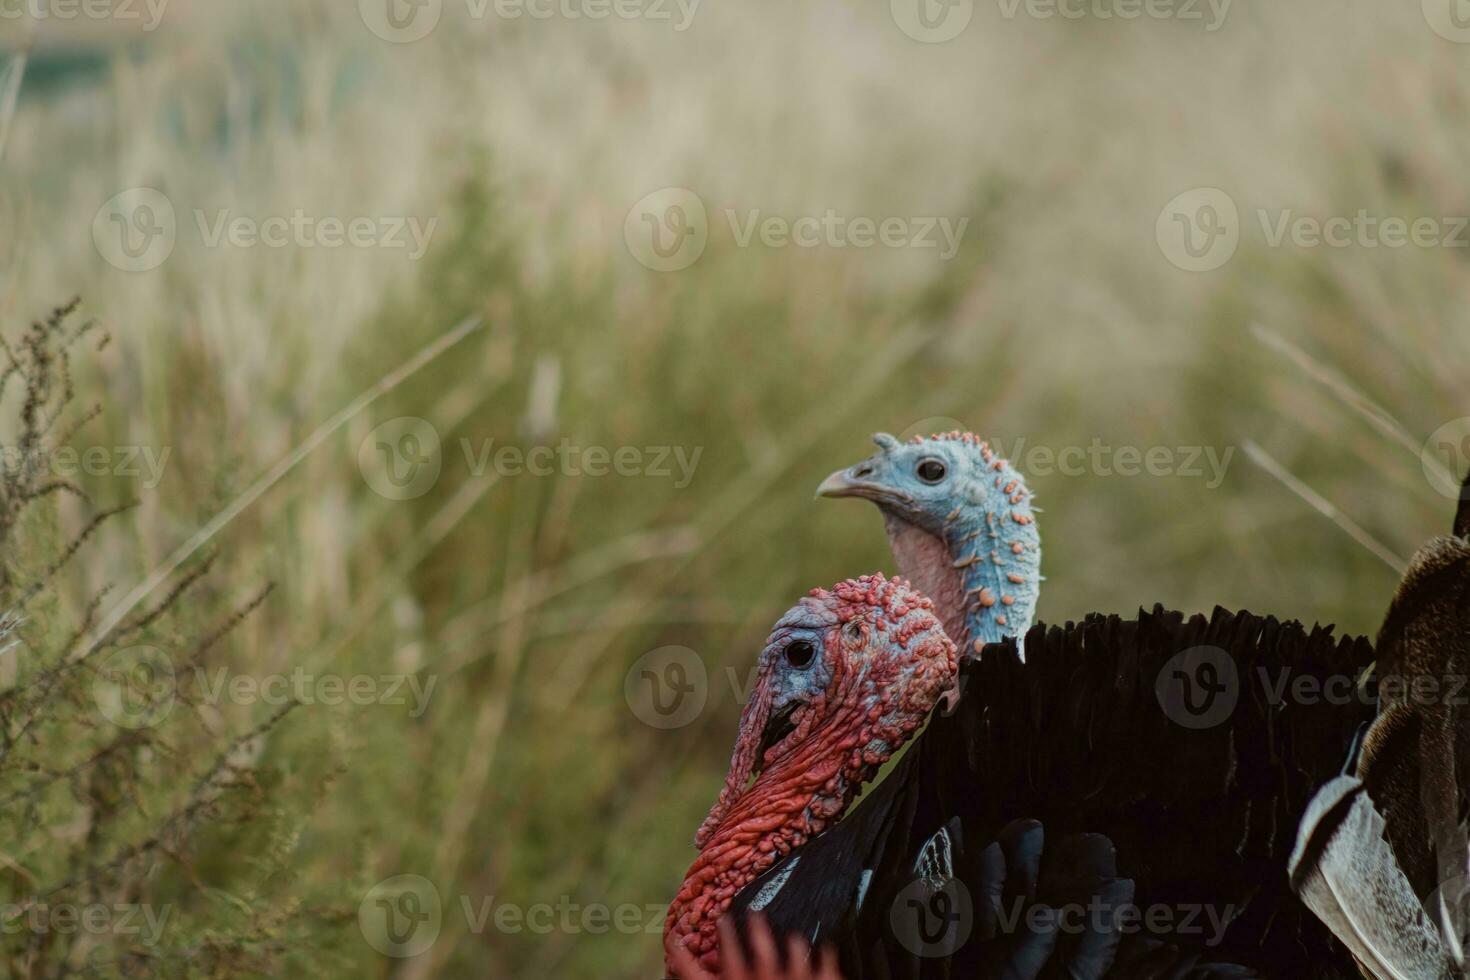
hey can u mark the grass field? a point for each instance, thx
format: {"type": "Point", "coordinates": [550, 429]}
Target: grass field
{"type": "Point", "coordinates": [491, 167]}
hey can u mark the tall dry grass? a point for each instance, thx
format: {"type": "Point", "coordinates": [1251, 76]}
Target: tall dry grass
{"type": "Point", "coordinates": [1059, 321]}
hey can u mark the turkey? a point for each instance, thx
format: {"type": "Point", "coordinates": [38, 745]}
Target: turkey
{"type": "Point", "coordinates": [961, 527]}
{"type": "Point", "coordinates": [845, 678]}
{"type": "Point", "coordinates": [1382, 854]}
{"type": "Point", "coordinates": [1164, 754]}
{"type": "Point", "coordinates": [1175, 737]}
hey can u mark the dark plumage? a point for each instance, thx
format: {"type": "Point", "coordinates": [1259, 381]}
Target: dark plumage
{"type": "Point", "coordinates": [1416, 761]}
{"type": "Point", "coordinates": [1383, 856]}
{"type": "Point", "coordinates": [1079, 739]}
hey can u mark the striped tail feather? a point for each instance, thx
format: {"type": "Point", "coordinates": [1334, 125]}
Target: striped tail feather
{"type": "Point", "coordinates": [1347, 873]}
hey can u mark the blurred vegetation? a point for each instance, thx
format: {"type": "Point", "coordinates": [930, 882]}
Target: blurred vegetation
{"type": "Point", "coordinates": [528, 781]}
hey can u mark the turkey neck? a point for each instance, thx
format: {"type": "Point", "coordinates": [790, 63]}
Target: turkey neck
{"type": "Point", "coordinates": [796, 798]}
{"type": "Point", "coordinates": [982, 570]}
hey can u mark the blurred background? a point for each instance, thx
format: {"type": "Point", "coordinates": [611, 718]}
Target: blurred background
{"type": "Point", "coordinates": [358, 261]}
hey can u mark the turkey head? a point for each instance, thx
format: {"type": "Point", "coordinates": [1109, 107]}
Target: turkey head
{"type": "Point", "coordinates": [961, 526]}
{"type": "Point", "coordinates": [845, 679]}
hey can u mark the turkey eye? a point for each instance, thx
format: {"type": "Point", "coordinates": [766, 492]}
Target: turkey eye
{"type": "Point", "coordinates": [931, 470]}
{"type": "Point", "coordinates": [799, 654]}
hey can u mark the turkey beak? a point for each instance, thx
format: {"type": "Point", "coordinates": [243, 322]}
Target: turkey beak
{"type": "Point", "coordinates": [856, 481]}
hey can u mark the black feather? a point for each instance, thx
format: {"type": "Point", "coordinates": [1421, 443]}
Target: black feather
{"type": "Point", "coordinates": [1078, 739]}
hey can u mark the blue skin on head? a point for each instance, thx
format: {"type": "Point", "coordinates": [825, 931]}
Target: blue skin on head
{"type": "Point", "coordinates": [798, 674]}
{"type": "Point", "coordinates": [960, 523]}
